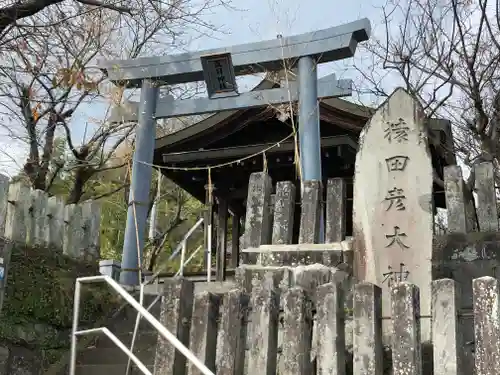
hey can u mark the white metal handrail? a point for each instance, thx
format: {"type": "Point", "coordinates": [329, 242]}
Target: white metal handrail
{"type": "Point", "coordinates": [164, 332]}
{"type": "Point", "coordinates": [137, 322]}
{"type": "Point", "coordinates": [181, 268]}
{"type": "Point", "coordinates": [182, 247]}
{"type": "Point", "coordinates": [185, 238]}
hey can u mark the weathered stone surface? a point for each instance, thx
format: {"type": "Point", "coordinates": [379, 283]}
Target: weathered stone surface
{"type": "Point", "coordinates": [284, 209]}
{"type": "Point", "coordinates": [257, 218]}
{"type": "Point", "coordinates": [4, 360]}
{"type": "Point", "coordinates": [263, 330]}
{"type": "Point", "coordinates": [330, 330]}
{"type": "Point", "coordinates": [335, 210]}
{"type": "Point", "coordinates": [55, 223]}
{"type": "Point", "coordinates": [36, 221]}
{"type": "Point", "coordinates": [297, 326]}
{"type": "Point", "coordinates": [73, 231]}
{"type": "Point", "coordinates": [367, 340]}
{"type": "Point", "coordinates": [312, 276]}
{"type": "Point", "coordinates": [487, 212]}
{"type": "Point", "coordinates": [19, 199]}
{"type": "Point", "coordinates": [91, 212]}
{"type": "Point", "coordinates": [284, 213]}
{"type": "Point", "coordinates": [459, 202]}
{"type": "Point", "coordinates": [310, 216]}
{"type": "Point", "coordinates": [487, 325]}
{"type": "Point", "coordinates": [4, 191]}
{"type": "Point", "coordinates": [393, 212]}
{"type": "Point", "coordinates": [464, 257]}
{"type": "Point", "coordinates": [176, 312]}
{"type": "Point", "coordinates": [5, 253]}
{"type": "Point", "coordinates": [447, 340]}
{"type": "Point", "coordinates": [406, 348]}
{"type": "Point", "coordinates": [331, 255]}
{"type": "Point", "coordinates": [231, 340]}
{"type": "Point", "coordinates": [248, 277]}
{"type": "Point", "coordinates": [24, 362]}
{"type": "Point", "coordinates": [203, 335]}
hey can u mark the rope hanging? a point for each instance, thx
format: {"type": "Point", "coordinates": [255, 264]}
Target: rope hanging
{"type": "Point", "coordinates": [210, 187]}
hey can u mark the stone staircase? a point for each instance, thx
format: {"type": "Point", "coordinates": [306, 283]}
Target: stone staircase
{"type": "Point", "coordinates": [103, 357]}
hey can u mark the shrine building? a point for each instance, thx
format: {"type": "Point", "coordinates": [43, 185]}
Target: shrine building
{"type": "Point", "coordinates": [230, 136]}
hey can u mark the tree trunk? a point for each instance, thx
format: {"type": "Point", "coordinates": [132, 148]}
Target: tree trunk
{"type": "Point", "coordinates": [82, 175]}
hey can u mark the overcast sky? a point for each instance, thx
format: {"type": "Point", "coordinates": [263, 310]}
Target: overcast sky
{"type": "Point", "coordinates": [257, 20]}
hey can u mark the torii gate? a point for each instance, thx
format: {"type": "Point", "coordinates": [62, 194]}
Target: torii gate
{"type": "Point", "coordinates": [218, 68]}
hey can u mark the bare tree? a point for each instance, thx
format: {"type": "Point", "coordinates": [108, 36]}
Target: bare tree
{"type": "Point", "coordinates": [18, 14]}
{"type": "Point", "coordinates": [446, 52]}
{"type": "Point", "coordinates": [48, 65]}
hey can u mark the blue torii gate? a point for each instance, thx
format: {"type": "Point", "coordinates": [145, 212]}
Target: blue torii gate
{"type": "Point", "coordinates": [218, 68]}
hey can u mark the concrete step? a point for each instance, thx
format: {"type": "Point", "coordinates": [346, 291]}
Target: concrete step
{"type": "Point", "coordinates": [144, 339]}
{"type": "Point", "coordinates": [127, 319]}
{"type": "Point", "coordinates": [114, 356]}
{"type": "Point", "coordinates": [108, 370]}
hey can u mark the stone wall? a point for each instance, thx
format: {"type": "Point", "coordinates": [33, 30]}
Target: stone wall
{"type": "Point", "coordinates": [33, 218]}
{"type": "Point", "coordinates": [292, 321]}
{"type": "Point", "coordinates": [37, 311]}
{"type": "Point", "coordinates": [44, 246]}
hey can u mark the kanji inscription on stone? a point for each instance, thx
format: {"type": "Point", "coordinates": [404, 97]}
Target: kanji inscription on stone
{"type": "Point", "coordinates": [397, 131]}
{"type": "Point", "coordinates": [396, 198]}
{"type": "Point", "coordinates": [396, 238]}
{"type": "Point", "coordinates": [394, 276]}
{"type": "Point", "coordinates": [393, 214]}
{"type": "Point", "coordinates": [397, 163]}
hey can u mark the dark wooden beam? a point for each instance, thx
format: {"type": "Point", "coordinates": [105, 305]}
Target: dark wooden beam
{"type": "Point", "coordinates": [242, 151]}
{"type": "Point", "coordinates": [235, 241]}
{"type": "Point", "coordinates": [221, 240]}
{"type": "Point", "coordinates": [209, 227]}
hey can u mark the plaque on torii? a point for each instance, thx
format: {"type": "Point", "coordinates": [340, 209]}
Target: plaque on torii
{"type": "Point", "coordinates": [219, 68]}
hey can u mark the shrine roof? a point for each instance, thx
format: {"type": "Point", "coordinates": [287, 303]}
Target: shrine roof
{"type": "Point", "coordinates": [349, 117]}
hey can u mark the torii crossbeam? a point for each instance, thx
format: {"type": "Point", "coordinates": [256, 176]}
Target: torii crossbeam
{"type": "Point", "coordinates": [219, 68]}
{"type": "Point", "coordinates": [328, 87]}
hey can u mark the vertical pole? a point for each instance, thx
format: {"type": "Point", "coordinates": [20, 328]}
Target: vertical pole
{"type": "Point", "coordinates": [154, 209]}
{"type": "Point", "coordinates": [208, 222]}
{"type": "Point", "coordinates": [309, 135]}
{"type": "Point", "coordinates": [235, 248]}
{"type": "Point", "coordinates": [141, 183]}
{"type": "Point", "coordinates": [74, 329]}
{"type": "Point", "coordinates": [220, 273]}
{"type": "Point", "coordinates": [309, 130]}
{"type": "Point", "coordinates": [183, 257]}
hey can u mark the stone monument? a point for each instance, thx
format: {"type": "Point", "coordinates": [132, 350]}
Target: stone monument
{"type": "Point", "coordinates": [393, 208]}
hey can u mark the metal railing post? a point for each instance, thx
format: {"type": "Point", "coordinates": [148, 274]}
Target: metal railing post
{"type": "Point", "coordinates": [183, 256]}
{"type": "Point", "coordinates": [74, 330]}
